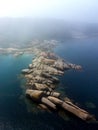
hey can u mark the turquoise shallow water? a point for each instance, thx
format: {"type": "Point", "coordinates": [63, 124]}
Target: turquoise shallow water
{"type": "Point", "coordinates": [81, 86]}
{"type": "Point", "coordinates": [14, 114]}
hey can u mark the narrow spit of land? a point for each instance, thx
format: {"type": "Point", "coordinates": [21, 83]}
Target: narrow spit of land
{"type": "Point", "coordinates": [42, 79]}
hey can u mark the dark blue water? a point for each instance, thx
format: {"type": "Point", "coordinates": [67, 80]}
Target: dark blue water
{"type": "Point", "coordinates": [81, 86]}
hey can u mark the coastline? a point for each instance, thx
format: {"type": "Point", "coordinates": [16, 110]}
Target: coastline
{"type": "Point", "coordinates": [42, 80]}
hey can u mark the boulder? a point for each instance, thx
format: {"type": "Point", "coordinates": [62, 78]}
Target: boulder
{"type": "Point", "coordinates": [48, 61]}
{"type": "Point", "coordinates": [34, 94]}
{"type": "Point", "coordinates": [48, 103]}
{"type": "Point", "coordinates": [30, 66]}
{"type": "Point", "coordinates": [25, 71]}
{"type": "Point", "coordinates": [74, 66]}
{"type": "Point", "coordinates": [43, 106]}
{"type": "Point", "coordinates": [29, 76]}
{"type": "Point", "coordinates": [84, 115]}
{"type": "Point", "coordinates": [52, 93]}
{"type": "Point", "coordinates": [41, 86]}
{"type": "Point", "coordinates": [55, 100]}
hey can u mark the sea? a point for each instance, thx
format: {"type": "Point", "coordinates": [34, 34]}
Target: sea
{"type": "Point", "coordinates": [81, 86]}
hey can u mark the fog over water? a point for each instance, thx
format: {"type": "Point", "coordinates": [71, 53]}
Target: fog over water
{"type": "Point", "coordinates": [25, 26]}
{"type": "Point", "coordinates": [69, 10]}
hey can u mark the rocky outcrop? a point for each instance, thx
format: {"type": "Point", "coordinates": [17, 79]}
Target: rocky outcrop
{"type": "Point", "coordinates": [27, 71]}
{"type": "Point", "coordinates": [42, 79]}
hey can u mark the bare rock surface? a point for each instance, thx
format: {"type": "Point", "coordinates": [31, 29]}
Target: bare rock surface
{"type": "Point", "coordinates": [42, 80]}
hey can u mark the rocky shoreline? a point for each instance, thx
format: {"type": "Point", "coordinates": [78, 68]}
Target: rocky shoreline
{"type": "Point", "coordinates": [42, 80]}
{"type": "Point", "coordinates": [34, 46]}
{"type": "Point", "coordinates": [42, 77]}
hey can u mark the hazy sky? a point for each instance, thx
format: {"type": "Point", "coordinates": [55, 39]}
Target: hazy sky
{"type": "Point", "coordinates": [74, 10]}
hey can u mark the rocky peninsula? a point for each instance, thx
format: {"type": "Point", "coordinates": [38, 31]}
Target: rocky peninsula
{"type": "Point", "coordinates": [42, 79]}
